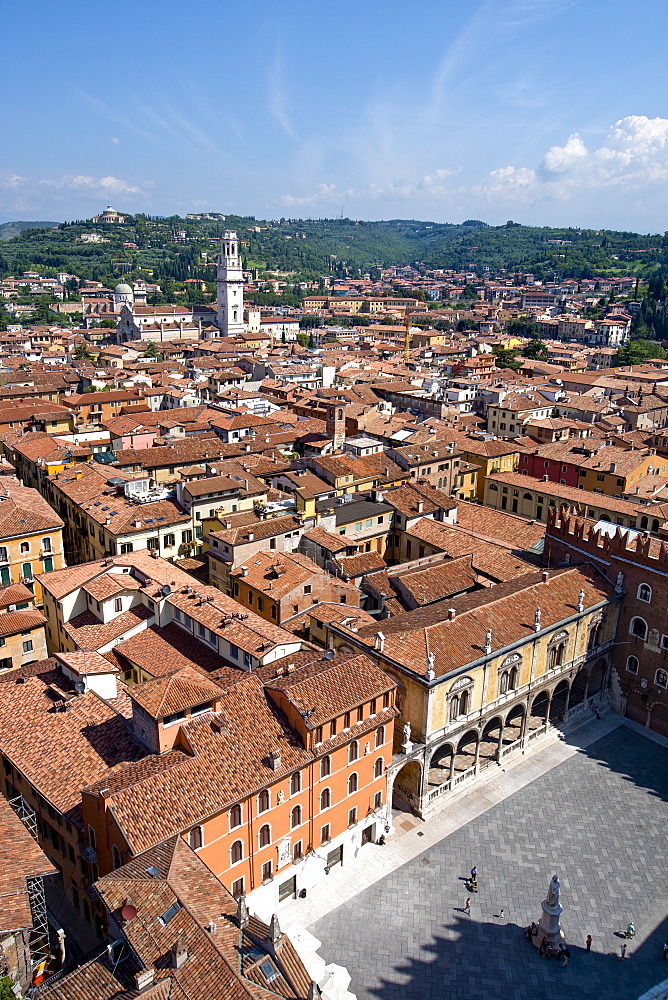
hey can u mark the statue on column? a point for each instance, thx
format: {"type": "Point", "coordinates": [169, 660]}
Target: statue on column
{"type": "Point", "coordinates": [553, 891]}
{"type": "Point", "coordinates": [407, 744]}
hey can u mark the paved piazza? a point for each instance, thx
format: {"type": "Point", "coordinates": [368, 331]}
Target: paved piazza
{"type": "Point", "coordinates": [599, 820]}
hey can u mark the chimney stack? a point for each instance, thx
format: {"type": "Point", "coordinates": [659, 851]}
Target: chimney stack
{"type": "Point", "coordinates": [275, 760]}
{"type": "Point", "coordinates": [451, 614]}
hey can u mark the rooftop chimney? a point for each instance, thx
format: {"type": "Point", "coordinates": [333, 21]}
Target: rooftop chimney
{"type": "Point", "coordinates": [144, 978]}
{"type": "Point", "coordinates": [275, 760]}
{"type": "Point", "coordinates": [179, 953]}
{"type": "Point", "coordinates": [251, 536]}
{"type": "Point", "coordinates": [451, 613]}
{"type": "Point", "coordinates": [244, 570]}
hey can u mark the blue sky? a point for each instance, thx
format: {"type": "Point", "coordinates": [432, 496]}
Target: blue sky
{"type": "Point", "coordinates": [542, 111]}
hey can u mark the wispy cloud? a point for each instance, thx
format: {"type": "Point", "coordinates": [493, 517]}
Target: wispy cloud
{"type": "Point", "coordinates": [632, 158]}
{"type": "Point", "coordinates": [278, 101]}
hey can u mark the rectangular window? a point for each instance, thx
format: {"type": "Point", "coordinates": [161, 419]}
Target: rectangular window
{"type": "Point", "coordinates": [325, 834]}
{"type": "Point", "coordinates": [168, 541]}
{"type": "Point", "coordinates": [27, 646]}
{"type": "Point", "coordinates": [288, 889]}
{"type": "Point", "coordinates": [352, 816]}
{"type": "Point", "coordinates": [48, 564]}
{"type": "Point", "coordinates": [260, 603]}
{"type": "Point", "coordinates": [332, 728]}
{"type": "Point", "coordinates": [234, 651]}
{"type": "Point", "coordinates": [177, 615]}
{"type": "Point", "coordinates": [360, 713]}
{"type": "Point", "coordinates": [46, 544]}
{"type": "Point", "coordinates": [126, 547]}
{"type": "Point", "coordinates": [238, 888]}
{"type": "Point", "coordinates": [153, 543]}
{"type": "Point", "coordinates": [266, 871]}
{"type": "Point", "coordinates": [118, 604]}
{"type": "Point", "coordinates": [272, 543]}
{"type": "Point", "coordinates": [186, 537]}
{"type": "Point", "coordinates": [372, 707]}
{"type": "Point", "coordinates": [378, 800]}
{"type": "Point", "coordinates": [307, 588]}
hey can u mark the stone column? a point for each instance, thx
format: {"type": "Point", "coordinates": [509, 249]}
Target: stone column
{"type": "Point", "coordinates": [500, 743]}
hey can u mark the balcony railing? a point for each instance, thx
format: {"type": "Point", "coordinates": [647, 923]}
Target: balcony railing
{"type": "Point", "coordinates": [508, 696]}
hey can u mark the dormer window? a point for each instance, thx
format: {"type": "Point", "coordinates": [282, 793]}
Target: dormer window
{"type": "Point", "coordinates": [170, 720]}
{"type": "Point", "coordinates": [199, 709]}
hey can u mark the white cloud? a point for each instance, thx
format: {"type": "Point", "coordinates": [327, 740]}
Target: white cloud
{"type": "Point", "coordinates": [559, 159]}
{"type": "Point", "coordinates": [115, 141]}
{"type": "Point", "coordinates": [632, 158]}
{"type": "Point", "coordinates": [433, 184]}
{"type": "Point", "coordinates": [69, 183]}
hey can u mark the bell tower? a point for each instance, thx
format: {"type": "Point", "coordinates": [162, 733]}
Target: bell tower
{"type": "Point", "coordinates": [230, 287]}
{"type": "Point", "coordinates": [336, 424]}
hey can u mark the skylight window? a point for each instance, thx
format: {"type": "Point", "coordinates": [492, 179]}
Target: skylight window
{"type": "Point", "coordinates": [268, 970]}
{"type": "Point", "coordinates": [153, 871]}
{"type": "Point", "coordinates": [169, 913]}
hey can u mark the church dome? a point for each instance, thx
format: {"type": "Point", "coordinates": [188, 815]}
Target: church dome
{"type": "Point", "coordinates": [123, 289]}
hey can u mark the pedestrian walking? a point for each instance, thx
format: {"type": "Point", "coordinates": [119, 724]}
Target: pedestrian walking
{"type": "Point", "coordinates": [566, 955]}
{"type": "Point", "coordinates": [665, 950]}
{"type": "Point", "coordinates": [588, 942]}
{"type": "Point", "coordinates": [623, 951]}
{"type": "Point", "coordinates": [474, 873]}
{"type": "Point", "coordinates": [467, 905]}
{"type": "Point", "coordinates": [501, 912]}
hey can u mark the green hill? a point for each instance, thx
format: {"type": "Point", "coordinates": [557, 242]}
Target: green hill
{"type": "Point", "coordinates": [10, 229]}
{"type": "Point", "coordinates": [307, 249]}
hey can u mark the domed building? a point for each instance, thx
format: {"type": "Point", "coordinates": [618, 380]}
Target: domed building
{"type": "Point", "coordinates": [110, 216]}
{"type": "Point", "coordinates": [123, 295]}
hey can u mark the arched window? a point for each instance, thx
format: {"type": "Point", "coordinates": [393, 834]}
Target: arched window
{"type": "Point", "coordinates": [494, 487]}
{"type": "Point", "coordinates": [295, 783]}
{"type": "Point", "coordinates": [195, 839]}
{"type": "Point", "coordinates": [632, 664]}
{"type": "Point", "coordinates": [527, 496]}
{"type": "Point", "coordinates": [325, 799]}
{"type": "Point", "coordinates": [380, 736]}
{"type": "Point", "coordinates": [645, 593]}
{"type": "Point", "coordinates": [639, 628]}
{"type": "Point", "coordinates": [263, 801]}
{"type": "Point", "coordinates": [235, 816]}
{"type": "Point", "coordinates": [655, 524]}
{"type": "Point", "coordinates": [115, 857]}
{"type": "Point", "coordinates": [325, 767]}
{"type": "Point", "coordinates": [643, 523]}
{"type": "Point", "coordinates": [264, 837]}
{"type": "Point", "coordinates": [555, 655]}
{"type": "Point", "coordinates": [661, 678]}
{"type": "Point", "coordinates": [296, 817]}
{"type": "Point", "coordinates": [353, 751]}
{"type": "Point", "coordinates": [595, 636]}
{"type": "Point", "coordinates": [378, 768]}
{"type": "Point", "coordinates": [340, 414]}
{"type": "Point", "coordinates": [503, 686]}
{"type": "Point", "coordinates": [464, 699]}
{"type": "Point", "coordinates": [454, 708]}
{"type": "Point", "coordinates": [237, 852]}
{"type": "Point", "coordinates": [352, 783]}
{"type": "Point", "coordinates": [513, 674]}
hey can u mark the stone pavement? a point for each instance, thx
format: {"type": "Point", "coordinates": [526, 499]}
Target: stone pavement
{"type": "Point", "coordinates": [597, 817]}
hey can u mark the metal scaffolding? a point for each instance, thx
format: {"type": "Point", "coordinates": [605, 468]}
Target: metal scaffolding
{"type": "Point", "coordinates": [40, 950]}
